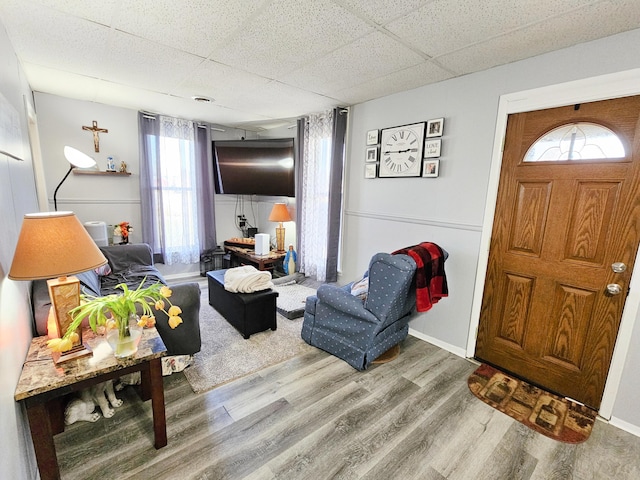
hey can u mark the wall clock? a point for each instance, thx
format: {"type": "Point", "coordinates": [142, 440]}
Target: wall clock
{"type": "Point", "coordinates": [401, 151]}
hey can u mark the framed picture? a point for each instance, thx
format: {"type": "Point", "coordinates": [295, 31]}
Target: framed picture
{"type": "Point", "coordinates": [401, 151]}
{"type": "Point", "coordinates": [372, 137]}
{"type": "Point", "coordinates": [432, 148]}
{"type": "Point", "coordinates": [430, 168]}
{"type": "Point", "coordinates": [370, 170]}
{"type": "Point", "coordinates": [435, 127]}
{"type": "Point", "coordinates": [372, 154]}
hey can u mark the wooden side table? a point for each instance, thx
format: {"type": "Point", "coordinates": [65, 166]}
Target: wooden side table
{"type": "Point", "coordinates": [42, 385]}
{"type": "Point", "coordinates": [262, 262]}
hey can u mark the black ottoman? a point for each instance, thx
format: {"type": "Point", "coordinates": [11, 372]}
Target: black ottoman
{"type": "Point", "coordinates": [249, 313]}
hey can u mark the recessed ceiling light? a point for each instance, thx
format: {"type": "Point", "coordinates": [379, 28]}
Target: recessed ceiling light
{"type": "Point", "coordinates": [201, 99]}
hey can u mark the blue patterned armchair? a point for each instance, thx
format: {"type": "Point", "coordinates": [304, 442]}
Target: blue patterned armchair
{"type": "Point", "coordinates": [356, 330]}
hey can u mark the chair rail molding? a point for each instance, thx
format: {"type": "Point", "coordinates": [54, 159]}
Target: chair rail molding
{"type": "Point", "coordinates": [414, 220]}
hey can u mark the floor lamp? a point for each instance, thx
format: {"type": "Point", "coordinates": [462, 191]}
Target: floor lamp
{"type": "Point", "coordinates": [76, 159]}
{"type": "Point", "coordinates": [279, 213]}
{"type": "Point", "coordinates": [52, 246]}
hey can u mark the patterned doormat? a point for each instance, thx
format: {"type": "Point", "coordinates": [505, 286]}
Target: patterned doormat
{"type": "Point", "coordinates": [544, 412]}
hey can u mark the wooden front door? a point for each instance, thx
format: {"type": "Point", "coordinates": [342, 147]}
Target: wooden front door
{"type": "Point", "coordinates": [550, 312]}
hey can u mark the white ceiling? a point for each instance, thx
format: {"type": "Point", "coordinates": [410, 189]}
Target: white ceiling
{"type": "Point", "coordinates": [264, 62]}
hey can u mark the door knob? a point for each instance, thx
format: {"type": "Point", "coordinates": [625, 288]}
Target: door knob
{"type": "Point", "coordinates": [614, 289]}
{"type": "Point", "coordinates": [618, 267]}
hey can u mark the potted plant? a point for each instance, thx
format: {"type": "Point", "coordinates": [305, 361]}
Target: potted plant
{"type": "Point", "coordinates": [116, 314]}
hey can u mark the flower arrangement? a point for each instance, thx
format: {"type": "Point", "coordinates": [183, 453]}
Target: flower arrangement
{"type": "Point", "coordinates": [123, 229]}
{"type": "Point", "coordinates": [113, 311]}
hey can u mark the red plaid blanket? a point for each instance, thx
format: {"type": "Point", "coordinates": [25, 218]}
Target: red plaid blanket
{"type": "Point", "coordinates": [430, 279]}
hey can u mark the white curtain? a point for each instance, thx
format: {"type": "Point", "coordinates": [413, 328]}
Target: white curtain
{"type": "Point", "coordinates": [169, 188]}
{"type": "Point", "coordinates": [314, 210]}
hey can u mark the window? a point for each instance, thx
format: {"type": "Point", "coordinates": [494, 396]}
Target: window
{"type": "Point", "coordinates": [576, 141]}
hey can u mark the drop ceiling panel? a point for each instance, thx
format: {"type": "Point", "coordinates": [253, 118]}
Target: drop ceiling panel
{"type": "Point", "coordinates": [220, 82]}
{"type": "Point", "coordinates": [444, 26]}
{"type": "Point", "coordinates": [382, 11]}
{"type": "Point", "coordinates": [322, 52]}
{"type": "Point", "coordinates": [196, 27]}
{"type": "Point", "coordinates": [586, 24]}
{"type": "Point", "coordinates": [366, 58]}
{"type": "Point", "coordinates": [288, 34]}
{"type": "Point", "coordinates": [70, 43]}
{"type": "Point", "coordinates": [400, 81]}
{"type": "Point", "coordinates": [277, 100]}
{"type": "Point", "coordinates": [138, 62]}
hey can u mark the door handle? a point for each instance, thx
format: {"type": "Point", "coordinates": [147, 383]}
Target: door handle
{"type": "Point", "coordinates": [614, 289]}
{"type": "Point", "coordinates": [618, 267]}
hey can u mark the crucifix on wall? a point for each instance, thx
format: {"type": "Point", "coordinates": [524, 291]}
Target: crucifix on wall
{"type": "Point", "coordinates": [95, 130]}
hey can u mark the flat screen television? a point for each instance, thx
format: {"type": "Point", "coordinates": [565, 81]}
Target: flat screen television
{"type": "Point", "coordinates": [254, 167]}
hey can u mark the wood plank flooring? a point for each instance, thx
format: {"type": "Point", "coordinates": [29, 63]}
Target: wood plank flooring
{"type": "Point", "coordinates": [314, 417]}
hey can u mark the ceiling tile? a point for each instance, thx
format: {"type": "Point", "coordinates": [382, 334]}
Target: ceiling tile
{"type": "Point", "coordinates": [289, 33]}
{"type": "Point", "coordinates": [74, 44]}
{"type": "Point", "coordinates": [362, 60]}
{"type": "Point", "coordinates": [400, 81]}
{"type": "Point", "coordinates": [444, 26]}
{"type": "Point", "coordinates": [100, 12]}
{"type": "Point", "coordinates": [580, 26]}
{"type": "Point", "coordinates": [277, 100]}
{"type": "Point", "coordinates": [382, 11]}
{"type": "Point", "coordinates": [221, 82]}
{"type": "Point", "coordinates": [138, 62]}
{"type": "Point", "coordinates": [59, 82]}
{"type": "Point", "coordinates": [195, 26]}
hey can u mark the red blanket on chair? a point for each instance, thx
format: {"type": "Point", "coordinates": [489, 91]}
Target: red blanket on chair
{"type": "Point", "coordinates": [430, 280]}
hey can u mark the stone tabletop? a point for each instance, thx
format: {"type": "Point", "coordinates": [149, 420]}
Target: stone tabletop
{"type": "Point", "coordinates": [40, 374]}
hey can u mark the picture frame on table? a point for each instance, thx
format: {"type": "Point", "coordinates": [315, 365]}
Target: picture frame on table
{"type": "Point", "coordinates": [372, 154]}
{"type": "Point", "coordinates": [435, 127]}
{"type": "Point", "coordinates": [432, 148]}
{"type": "Point", "coordinates": [372, 137]}
{"type": "Point", "coordinates": [370, 170]}
{"type": "Point", "coordinates": [430, 168]}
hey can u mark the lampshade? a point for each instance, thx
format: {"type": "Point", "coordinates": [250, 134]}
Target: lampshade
{"type": "Point", "coordinates": [279, 213]}
{"type": "Point", "coordinates": [78, 159]}
{"type": "Point", "coordinates": [53, 244]}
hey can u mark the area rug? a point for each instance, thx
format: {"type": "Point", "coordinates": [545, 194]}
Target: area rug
{"type": "Point", "coordinates": [292, 298]}
{"type": "Point", "coordinates": [544, 412]}
{"type": "Point", "coordinates": [226, 355]}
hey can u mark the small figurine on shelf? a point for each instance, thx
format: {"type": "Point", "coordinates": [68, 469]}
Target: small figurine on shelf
{"type": "Point", "coordinates": [123, 167]}
{"type": "Point", "coordinates": [289, 262]}
{"type": "Point", "coordinates": [122, 230]}
{"type": "Point", "coordinates": [111, 165]}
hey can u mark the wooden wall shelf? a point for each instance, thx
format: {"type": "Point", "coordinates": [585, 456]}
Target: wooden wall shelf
{"type": "Point", "coordinates": [77, 171]}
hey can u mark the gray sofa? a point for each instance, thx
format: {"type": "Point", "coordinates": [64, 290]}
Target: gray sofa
{"type": "Point", "coordinates": [130, 264]}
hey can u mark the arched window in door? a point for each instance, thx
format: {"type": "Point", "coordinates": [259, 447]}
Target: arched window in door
{"type": "Point", "coordinates": [576, 141]}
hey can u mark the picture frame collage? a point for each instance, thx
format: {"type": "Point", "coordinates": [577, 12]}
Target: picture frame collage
{"type": "Point", "coordinates": [411, 150]}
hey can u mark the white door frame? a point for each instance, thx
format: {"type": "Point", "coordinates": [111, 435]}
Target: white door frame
{"type": "Point", "coordinates": [614, 85]}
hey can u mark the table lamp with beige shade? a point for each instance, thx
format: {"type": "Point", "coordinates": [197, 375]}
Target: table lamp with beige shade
{"type": "Point", "coordinates": [279, 213]}
{"type": "Point", "coordinates": [53, 246]}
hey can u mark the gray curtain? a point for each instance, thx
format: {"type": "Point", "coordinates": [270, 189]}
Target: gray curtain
{"type": "Point", "coordinates": [149, 132]}
{"type": "Point", "coordinates": [204, 167]}
{"type": "Point", "coordinates": [335, 192]}
{"type": "Point", "coordinates": [151, 208]}
{"type": "Point", "coordinates": [299, 171]}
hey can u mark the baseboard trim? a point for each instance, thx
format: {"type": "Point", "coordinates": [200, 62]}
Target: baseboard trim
{"type": "Point", "coordinates": [626, 426]}
{"type": "Point", "coordinates": [460, 352]}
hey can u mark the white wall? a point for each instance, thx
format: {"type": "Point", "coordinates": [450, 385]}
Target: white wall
{"type": "Point", "coordinates": [386, 214]}
{"type": "Point", "coordinates": [17, 197]}
{"type": "Point", "coordinates": [114, 199]}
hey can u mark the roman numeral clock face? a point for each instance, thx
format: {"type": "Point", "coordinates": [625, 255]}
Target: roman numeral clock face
{"type": "Point", "coordinates": [401, 151]}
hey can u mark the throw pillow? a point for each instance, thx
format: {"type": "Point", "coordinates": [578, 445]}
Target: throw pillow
{"type": "Point", "coordinates": [360, 288]}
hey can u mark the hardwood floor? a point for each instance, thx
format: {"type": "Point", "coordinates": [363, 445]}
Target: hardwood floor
{"type": "Point", "coordinates": [314, 417]}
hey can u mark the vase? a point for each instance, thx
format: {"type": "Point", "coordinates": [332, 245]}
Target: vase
{"type": "Point", "coordinates": [124, 339]}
